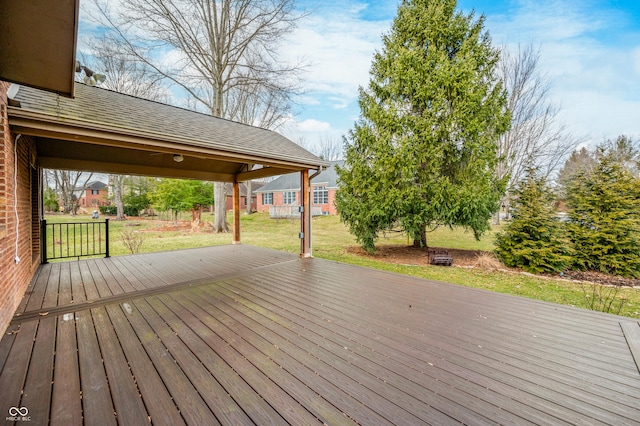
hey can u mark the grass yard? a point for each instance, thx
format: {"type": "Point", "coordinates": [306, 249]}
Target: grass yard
{"type": "Point", "coordinates": [331, 240]}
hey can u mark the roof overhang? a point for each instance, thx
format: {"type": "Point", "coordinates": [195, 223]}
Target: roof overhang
{"type": "Point", "coordinates": [207, 148]}
{"type": "Point", "coordinates": [79, 146]}
{"type": "Point", "coordinates": [38, 43]}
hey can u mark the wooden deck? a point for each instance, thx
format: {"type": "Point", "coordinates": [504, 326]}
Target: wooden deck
{"type": "Point", "coordinates": [240, 335]}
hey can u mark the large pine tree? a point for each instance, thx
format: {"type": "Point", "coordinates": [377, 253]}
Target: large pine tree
{"type": "Point", "coordinates": [423, 152]}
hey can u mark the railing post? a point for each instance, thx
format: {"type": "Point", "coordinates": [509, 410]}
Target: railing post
{"type": "Point", "coordinates": [106, 236]}
{"type": "Point", "coordinates": [43, 240]}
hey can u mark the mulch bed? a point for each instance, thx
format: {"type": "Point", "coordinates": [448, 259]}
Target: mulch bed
{"type": "Point", "coordinates": [409, 255]}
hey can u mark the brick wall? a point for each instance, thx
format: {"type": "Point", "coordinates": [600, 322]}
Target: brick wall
{"type": "Point", "coordinates": [15, 277]}
{"type": "Point", "coordinates": [278, 200]}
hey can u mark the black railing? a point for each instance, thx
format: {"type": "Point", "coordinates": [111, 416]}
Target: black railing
{"type": "Point", "coordinates": [74, 239]}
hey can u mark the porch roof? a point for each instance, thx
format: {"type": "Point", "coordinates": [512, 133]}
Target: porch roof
{"type": "Point", "coordinates": [105, 131]}
{"type": "Point", "coordinates": [243, 335]}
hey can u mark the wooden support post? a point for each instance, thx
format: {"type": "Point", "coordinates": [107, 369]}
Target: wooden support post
{"type": "Point", "coordinates": [236, 213]}
{"type": "Point", "coordinates": [305, 216]}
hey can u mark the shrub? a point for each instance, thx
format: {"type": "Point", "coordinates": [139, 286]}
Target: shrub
{"type": "Point", "coordinates": [534, 239]}
{"type": "Point", "coordinates": [604, 218]}
{"type": "Point", "coordinates": [109, 210]}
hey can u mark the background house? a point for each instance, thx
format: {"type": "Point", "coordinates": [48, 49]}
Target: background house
{"type": "Point", "coordinates": [94, 195]}
{"type": "Point", "coordinates": [228, 191]}
{"type": "Point", "coordinates": [285, 191]}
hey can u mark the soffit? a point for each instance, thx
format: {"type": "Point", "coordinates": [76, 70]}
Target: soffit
{"type": "Point", "coordinates": [38, 43]}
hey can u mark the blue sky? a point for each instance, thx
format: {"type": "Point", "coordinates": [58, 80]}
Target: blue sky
{"type": "Point", "coordinates": [590, 52]}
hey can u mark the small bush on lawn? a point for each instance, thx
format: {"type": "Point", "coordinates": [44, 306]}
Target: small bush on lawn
{"type": "Point", "coordinates": [534, 240]}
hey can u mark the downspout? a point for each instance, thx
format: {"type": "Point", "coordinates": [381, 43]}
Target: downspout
{"type": "Point", "coordinates": [320, 170]}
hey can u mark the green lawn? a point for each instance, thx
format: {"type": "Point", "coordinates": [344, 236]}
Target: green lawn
{"type": "Point", "coordinates": [331, 239]}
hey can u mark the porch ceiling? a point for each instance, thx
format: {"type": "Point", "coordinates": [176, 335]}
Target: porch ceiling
{"type": "Point", "coordinates": [38, 43]}
{"type": "Point", "coordinates": [104, 131]}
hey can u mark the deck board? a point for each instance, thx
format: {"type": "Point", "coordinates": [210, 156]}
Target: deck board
{"type": "Point", "coordinates": [631, 331]}
{"type": "Point", "coordinates": [127, 400]}
{"type": "Point", "coordinates": [37, 388]}
{"type": "Point", "coordinates": [249, 401]}
{"type": "Point", "coordinates": [66, 406]}
{"type": "Point", "coordinates": [474, 353]}
{"type": "Point", "coordinates": [391, 365]}
{"type": "Point", "coordinates": [185, 395]}
{"type": "Point", "coordinates": [97, 405]}
{"type": "Point", "coordinates": [285, 405]}
{"type": "Point", "coordinates": [161, 407]}
{"type": "Point", "coordinates": [217, 399]}
{"type": "Point", "coordinates": [242, 335]}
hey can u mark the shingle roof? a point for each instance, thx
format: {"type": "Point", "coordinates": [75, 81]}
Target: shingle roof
{"type": "Point", "coordinates": [291, 181]}
{"type": "Point", "coordinates": [95, 184]}
{"type": "Point", "coordinates": [255, 185]}
{"type": "Point", "coordinates": [131, 115]}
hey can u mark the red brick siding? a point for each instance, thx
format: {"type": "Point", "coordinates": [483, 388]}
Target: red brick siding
{"type": "Point", "coordinates": [89, 200]}
{"type": "Point", "coordinates": [278, 200]}
{"type": "Point", "coordinates": [15, 277]}
{"type": "Point", "coordinates": [243, 202]}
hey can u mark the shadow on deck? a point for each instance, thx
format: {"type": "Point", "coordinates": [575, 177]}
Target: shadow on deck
{"type": "Point", "coordinates": [243, 335]}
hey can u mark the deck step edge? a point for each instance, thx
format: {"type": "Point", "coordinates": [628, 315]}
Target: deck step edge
{"type": "Point", "coordinates": [631, 331]}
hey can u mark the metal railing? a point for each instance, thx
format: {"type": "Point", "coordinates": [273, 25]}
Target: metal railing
{"type": "Point", "coordinates": [291, 211]}
{"type": "Point", "coordinates": [74, 239]}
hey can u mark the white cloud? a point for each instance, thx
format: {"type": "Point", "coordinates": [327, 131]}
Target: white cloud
{"type": "Point", "coordinates": [310, 132]}
{"type": "Point", "coordinates": [339, 48]}
{"type": "Point", "coordinates": [593, 72]}
{"type": "Point", "coordinates": [312, 126]}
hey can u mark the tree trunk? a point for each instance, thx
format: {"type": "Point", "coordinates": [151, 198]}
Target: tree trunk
{"type": "Point", "coordinates": [196, 215]}
{"type": "Point", "coordinates": [220, 209]}
{"type": "Point", "coordinates": [422, 241]}
{"type": "Point", "coordinates": [118, 188]}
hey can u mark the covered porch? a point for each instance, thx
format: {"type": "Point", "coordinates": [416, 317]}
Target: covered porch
{"type": "Point", "coordinates": [244, 335]}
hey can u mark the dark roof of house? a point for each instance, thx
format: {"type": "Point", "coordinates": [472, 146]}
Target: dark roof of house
{"type": "Point", "coordinates": [291, 181]}
{"type": "Point", "coordinates": [127, 120]}
{"type": "Point", "coordinates": [228, 188]}
{"type": "Point", "coordinates": [95, 184]}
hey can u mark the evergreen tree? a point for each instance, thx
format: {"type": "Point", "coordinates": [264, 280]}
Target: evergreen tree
{"type": "Point", "coordinates": [580, 161]}
{"type": "Point", "coordinates": [534, 239]}
{"type": "Point", "coordinates": [423, 152]}
{"type": "Point", "coordinates": [604, 217]}
{"type": "Point", "coordinates": [51, 200]}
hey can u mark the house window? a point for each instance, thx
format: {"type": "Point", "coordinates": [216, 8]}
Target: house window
{"type": "Point", "coordinates": [267, 198]}
{"type": "Point", "coordinates": [320, 195]}
{"type": "Point", "coordinates": [95, 192]}
{"type": "Point", "coordinates": [289, 197]}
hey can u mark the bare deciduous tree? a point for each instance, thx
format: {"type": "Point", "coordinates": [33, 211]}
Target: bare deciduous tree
{"type": "Point", "coordinates": [128, 76]}
{"type": "Point", "coordinates": [122, 74]}
{"type": "Point", "coordinates": [330, 149]}
{"type": "Point", "coordinates": [536, 139]}
{"type": "Point", "coordinates": [222, 53]}
{"type": "Point", "coordinates": [117, 183]}
{"type": "Point", "coordinates": [68, 184]}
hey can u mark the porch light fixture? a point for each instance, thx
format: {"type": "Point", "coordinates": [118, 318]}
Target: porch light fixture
{"type": "Point", "coordinates": [178, 158]}
{"type": "Point", "coordinates": [90, 78]}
